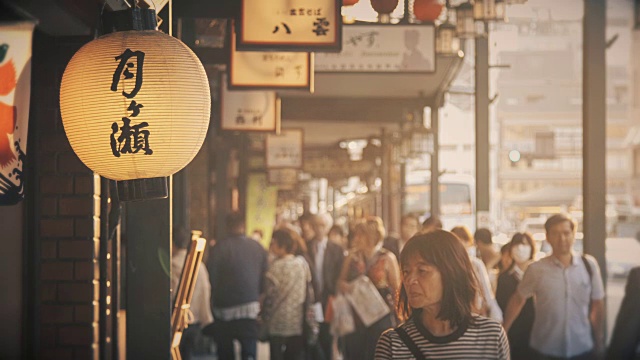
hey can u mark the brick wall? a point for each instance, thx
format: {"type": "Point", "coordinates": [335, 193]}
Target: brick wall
{"type": "Point", "coordinates": [67, 210]}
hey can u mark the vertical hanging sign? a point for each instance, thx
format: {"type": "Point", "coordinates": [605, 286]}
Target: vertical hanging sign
{"type": "Point", "coordinates": [262, 201]}
{"type": "Point", "coordinates": [15, 92]}
{"type": "Point", "coordinates": [290, 25]}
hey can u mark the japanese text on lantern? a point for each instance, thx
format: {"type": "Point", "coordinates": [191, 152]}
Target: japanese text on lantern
{"type": "Point", "coordinates": [132, 137]}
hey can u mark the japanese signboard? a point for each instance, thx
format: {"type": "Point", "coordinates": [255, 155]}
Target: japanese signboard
{"type": "Point", "coordinates": [270, 70]}
{"type": "Point", "coordinates": [284, 178]}
{"type": "Point", "coordinates": [249, 110]}
{"type": "Point", "coordinates": [382, 48]}
{"type": "Point", "coordinates": [335, 169]}
{"type": "Point", "coordinates": [290, 25]}
{"type": "Point", "coordinates": [261, 208]}
{"type": "Point", "coordinates": [284, 150]}
{"type": "Point", "coordinates": [15, 93]}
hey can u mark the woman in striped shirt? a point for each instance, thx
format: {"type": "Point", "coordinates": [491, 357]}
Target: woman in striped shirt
{"type": "Point", "coordinates": [436, 299]}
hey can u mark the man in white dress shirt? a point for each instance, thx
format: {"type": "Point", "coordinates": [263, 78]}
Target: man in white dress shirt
{"type": "Point", "coordinates": [569, 299]}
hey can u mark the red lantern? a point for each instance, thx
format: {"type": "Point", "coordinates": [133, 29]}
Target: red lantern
{"type": "Point", "coordinates": [384, 6]}
{"type": "Point", "coordinates": [349, 2]}
{"type": "Point", "coordinates": [426, 10]}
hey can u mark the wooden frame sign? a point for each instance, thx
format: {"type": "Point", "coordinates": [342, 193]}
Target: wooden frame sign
{"type": "Point", "coordinates": [378, 49]}
{"type": "Point", "coordinates": [249, 110]}
{"type": "Point", "coordinates": [270, 70]}
{"type": "Point", "coordinates": [284, 150]}
{"type": "Point", "coordinates": [290, 25]}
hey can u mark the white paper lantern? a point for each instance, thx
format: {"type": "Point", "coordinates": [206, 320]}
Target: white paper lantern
{"type": "Point", "coordinates": [135, 105]}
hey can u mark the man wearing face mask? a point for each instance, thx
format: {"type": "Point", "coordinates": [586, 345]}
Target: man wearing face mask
{"type": "Point", "coordinates": [522, 251]}
{"type": "Point", "coordinates": [569, 299]}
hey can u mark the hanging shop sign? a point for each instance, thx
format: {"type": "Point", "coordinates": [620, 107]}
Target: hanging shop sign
{"type": "Point", "coordinates": [284, 150]}
{"type": "Point", "coordinates": [249, 110]}
{"type": "Point", "coordinates": [285, 179]}
{"type": "Point", "coordinates": [290, 25]}
{"type": "Point", "coordinates": [15, 92]}
{"type": "Point", "coordinates": [129, 110]}
{"type": "Point", "coordinates": [335, 169]}
{"type": "Point", "coordinates": [270, 70]}
{"type": "Point", "coordinates": [262, 202]}
{"type": "Point", "coordinates": [376, 48]}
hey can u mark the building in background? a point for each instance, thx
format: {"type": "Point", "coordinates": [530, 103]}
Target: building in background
{"type": "Point", "coordinates": [539, 112]}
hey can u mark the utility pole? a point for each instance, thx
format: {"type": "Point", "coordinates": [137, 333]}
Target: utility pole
{"type": "Point", "coordinates": [482, 121]}
{"type": "Point", "coordinates": [594, 130]}
{"type": "Point", "coordinates": [435, 167]}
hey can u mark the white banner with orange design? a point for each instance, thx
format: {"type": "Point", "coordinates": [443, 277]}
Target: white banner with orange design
{"type": "Point", "coordinates": [15, 92]}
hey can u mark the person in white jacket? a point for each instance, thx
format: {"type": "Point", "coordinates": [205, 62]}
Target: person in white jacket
{"type": "Point", "coordinates": [486, 304]}
{"type": "Point", "coordinates": [201, 301]}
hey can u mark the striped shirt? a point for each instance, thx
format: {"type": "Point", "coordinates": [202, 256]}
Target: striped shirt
{"type": "Point", "coordinates": [482, 338]}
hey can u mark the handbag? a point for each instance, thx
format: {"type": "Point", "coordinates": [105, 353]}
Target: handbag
{"type": "Point", "coordinates": [367, 301]}
{"type": "Point", "coordinates": [342, 322]}
{"type": "Point", "coordinates": [263, 331]}
{"type": "Point", "coordinates": [310, 326]}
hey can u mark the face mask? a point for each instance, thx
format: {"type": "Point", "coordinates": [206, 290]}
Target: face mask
{"type": "Point", "coordinates": [521, 253]}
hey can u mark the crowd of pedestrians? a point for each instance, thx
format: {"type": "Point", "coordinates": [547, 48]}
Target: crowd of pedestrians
{"type": "Point", "coordinates": [323, 293]}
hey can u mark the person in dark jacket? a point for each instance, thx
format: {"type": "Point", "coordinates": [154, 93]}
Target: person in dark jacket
{"type": "Point", "coordinates": [237, 266]}
{"type": "Point", "coordinates": [522, 250]}
{"type": "Point", "coordinates": [326, 261]}
{"type": "Point", "coordinates": [625, 341]}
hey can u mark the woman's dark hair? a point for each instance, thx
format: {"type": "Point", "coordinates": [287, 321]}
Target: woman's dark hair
{"type": "Point", "coordinates": [443, 250]}
{"type": "Point", "coordinates": [506, 248]}
{"type": "Point", "coordinates": [284, 239]}
{"type": "Point", "coordinates": [524, 238]}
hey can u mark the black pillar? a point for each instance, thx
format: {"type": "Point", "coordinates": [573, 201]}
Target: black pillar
{"type": "Point", "coordinates": [386, 180]}
{"type": "Point", "coordinates": [435, 165]}
{"type": "Point", "coordinates": [221, 187]}
{"type": "Point", "coordinates": [594, 185]}
{"type": "Point", "coordinates": [482, 122]}
{"type": "Point", "coordinates": [148, 227]}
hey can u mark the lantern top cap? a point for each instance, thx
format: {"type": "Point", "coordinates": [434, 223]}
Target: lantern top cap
{"type": "Point", "coordinates": [129, 19]}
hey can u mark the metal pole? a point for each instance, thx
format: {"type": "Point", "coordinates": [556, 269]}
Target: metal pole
{"type": "Point", "coordinates": [594, 129]}
{"type": "Point", "coordinates": [435, 165]}
{"type": "Point", "coordinates": [482, 121]}
{"type": "Point", "coordinates": [386, 179]}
